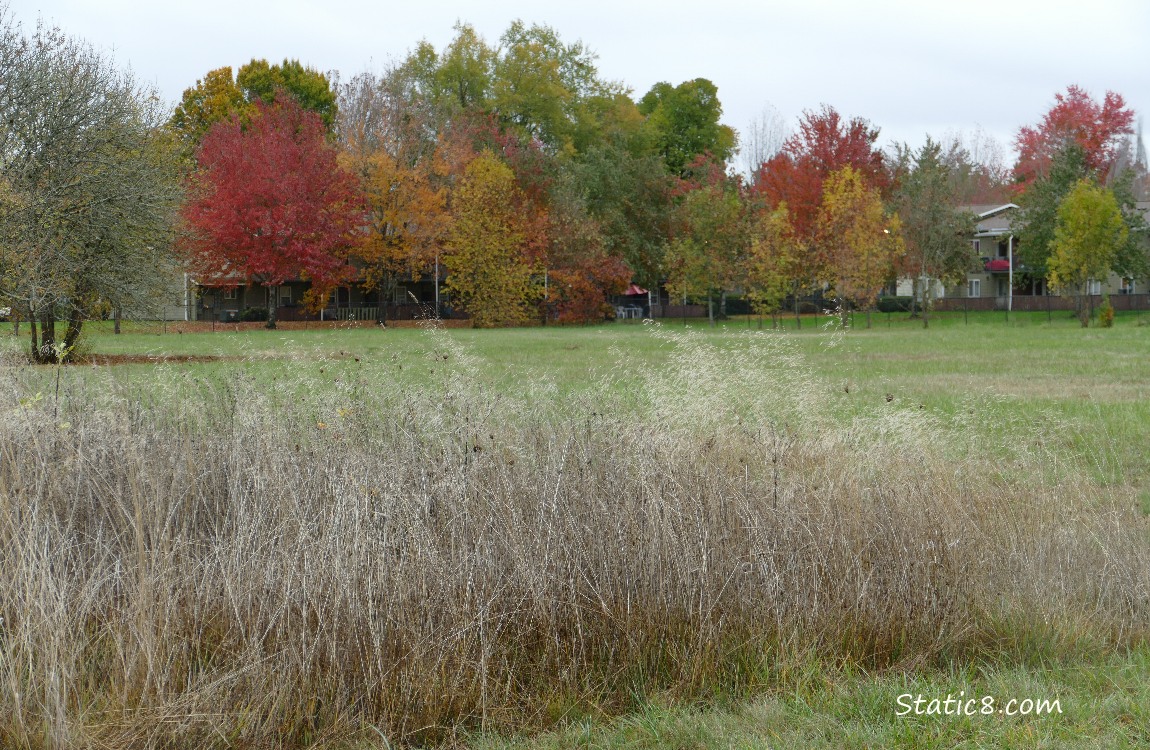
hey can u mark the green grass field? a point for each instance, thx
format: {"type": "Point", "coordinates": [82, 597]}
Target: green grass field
{"type": "Point", "coordinates": [1027, 402]}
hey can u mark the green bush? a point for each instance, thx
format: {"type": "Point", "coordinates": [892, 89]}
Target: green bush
{"type": "Point", "coordinates": [251, 314]}
{"type": "Point", "coordinates": [894, 304]}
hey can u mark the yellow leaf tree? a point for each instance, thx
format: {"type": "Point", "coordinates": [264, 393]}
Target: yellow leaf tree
{"type": "Point", "coordinates": [860, 240]}
{"type": "Point", "coordinates": [1087, 236]}
{"type": "Point", "coordinates": [774, 267]}
{"type": "Point", "coordinates": [489, 273]}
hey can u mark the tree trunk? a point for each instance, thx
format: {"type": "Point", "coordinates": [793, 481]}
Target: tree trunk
{"type": "Point", "coordinates": [35, 334]}
{"type": "Point", "coordinates": [72, 334]}
{"type": "Point", "coordinates": [46, 352]}
{"type": "Point", "coordinates": [710, 309]}
{"type": "Point", "coordinates": [116, 320]}
{"type": "Point", "coordinates": [868, 317]}
{"type": "Point", "coordinates": [798, 318]}
{"type": "Point", "coordinates": [272, 299]}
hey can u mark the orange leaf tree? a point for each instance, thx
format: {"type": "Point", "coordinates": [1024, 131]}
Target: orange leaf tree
{"type": "Point", "coordinates": [860, 241]}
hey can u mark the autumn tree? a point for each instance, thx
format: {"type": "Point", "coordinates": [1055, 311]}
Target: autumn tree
{"type": "Point", "coordinates": [214, 98]}
{"type": "Point", "coordinates": [1087, 237]}
{"type": "Point", "coordinates": [383, 131]}
{"type": "Point", "coordinates": [88, 186]}
{"type": "Point", "coordinates": [490, 272]}
{"type": "Point", "coordinates": [860, 241]}
{"type": "Point", "coordinates": [1098, 129]}
{"type": "Point", "coordinates": [824, 143]}
{"type": "Point", "coordinates": [270, 203]}
{"type": "Point", "coordinates": [936, 232]}
{"type": "Point", "coordinates": [581, 272]}
{"type": "Point", "coordinates": [773, 267]}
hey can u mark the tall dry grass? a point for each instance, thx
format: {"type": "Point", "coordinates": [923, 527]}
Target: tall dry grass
{"type": "Point", "coordinates": [240, 565]}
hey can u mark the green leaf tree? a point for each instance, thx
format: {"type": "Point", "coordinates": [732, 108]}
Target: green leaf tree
{"type": "Point", "coordinates": [684, 122]}
{"type": "Point", "coordinates": [217, 97]}
{"type": "Point", "coordinates": [706, 258]}
{"type": "Point", "coordinates": [936, 234]}
{"type": "Point", "coordinates": [1089, 233]}
{"type": "Point", "coordinates": [311, 89]}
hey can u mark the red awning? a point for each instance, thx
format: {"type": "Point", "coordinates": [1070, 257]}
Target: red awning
{"type": "Point", "coordinates": [634, 290]}
{"type": "Point", "coordinates": [998, 265]}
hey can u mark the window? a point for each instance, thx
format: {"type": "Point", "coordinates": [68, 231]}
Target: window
{"type": "Point", "coordinates": [285, 296]}
{"type": "Point", "coordinates": [1003, 249]}
{"type": "Point", "coordinates": [977, 246]}
{"type": "Point", "coordinates": [974, 288]}
{"type": "Point", "coordinates": [1127, 287]}
{"type": "Point", "coordinates": [230, 294]}
{"type": "Point", "coordinates": [1093, 287]}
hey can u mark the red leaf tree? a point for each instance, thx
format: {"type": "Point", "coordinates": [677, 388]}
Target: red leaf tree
{"type": "Point", "coordinates": [824, 144]}
{"type": "Point", "coordinates": [1099, 129]}
{"type": "Point", "coordinates": [270, 203]}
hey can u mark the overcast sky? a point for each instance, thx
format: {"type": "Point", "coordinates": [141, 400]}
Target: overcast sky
{"type": "Point", "coordinates": [911, 68]}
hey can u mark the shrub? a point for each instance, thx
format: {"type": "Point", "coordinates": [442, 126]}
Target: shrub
{"type": "Point", "coordinates": [251, 314]}
{"type": "Point", "coordinates": [1106, 313]}
{"type": "Point", "coordinates": [894, 304]}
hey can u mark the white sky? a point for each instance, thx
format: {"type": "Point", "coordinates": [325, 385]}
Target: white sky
{"type": "Point", "coordinates": [911, 68]}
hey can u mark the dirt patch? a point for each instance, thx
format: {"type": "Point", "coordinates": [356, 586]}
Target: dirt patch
{"type": "Point", "coordinates": [147, 359]}
{"type": "Point", "coordinates": [202, 326]}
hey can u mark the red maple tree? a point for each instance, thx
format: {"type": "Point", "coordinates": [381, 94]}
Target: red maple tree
{"type": "Point", "coordinates": [823, 144]}
{"type": "Point", "coordinates": [270, 203]}
{"type": "Point", "coordinates": [1075, 116]}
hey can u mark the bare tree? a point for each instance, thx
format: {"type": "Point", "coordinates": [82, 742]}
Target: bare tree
{"type": "Point", "coordinates": [88, 185]}
{"type": "Point", "coordinates": [764, 137]}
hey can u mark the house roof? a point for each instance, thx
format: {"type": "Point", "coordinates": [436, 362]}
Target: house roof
{"type": "Point", "coordinates": [993, 219]}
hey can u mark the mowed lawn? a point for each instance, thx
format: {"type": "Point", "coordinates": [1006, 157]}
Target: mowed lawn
{"type": "Point", "coordinates": [1081, 394]}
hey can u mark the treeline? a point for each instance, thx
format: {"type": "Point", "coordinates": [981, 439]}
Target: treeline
{"type": "Point", "coordinates": [539, 187]}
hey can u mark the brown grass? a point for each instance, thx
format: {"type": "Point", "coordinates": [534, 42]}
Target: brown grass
{"type": "Point", "coordinates": [233, 573]}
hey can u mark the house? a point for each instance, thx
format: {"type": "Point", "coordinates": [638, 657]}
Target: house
{"type": "Point", "coordinates": [402, 300]}
{"type": "Point", "coordinates": [1001, 281]}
